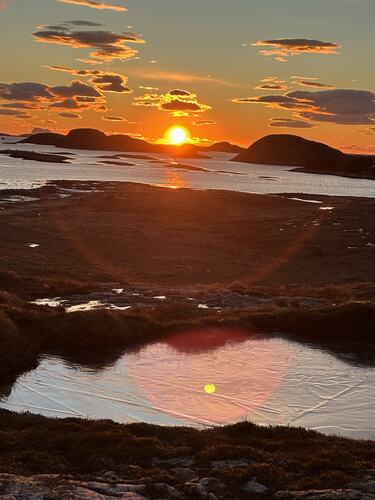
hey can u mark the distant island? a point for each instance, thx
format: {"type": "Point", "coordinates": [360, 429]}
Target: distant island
{"type": "Point", "coordinates": [278, 149]}
{"type": "Point", "coordinates": [307, 156]}
{"type": "Point", "coordinates": [96, 140]}
{"type": "Point", "coordinates": [224, 147]}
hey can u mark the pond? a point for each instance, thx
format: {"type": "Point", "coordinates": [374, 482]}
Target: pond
{"type": "Point", "coordinates": [210, 377]}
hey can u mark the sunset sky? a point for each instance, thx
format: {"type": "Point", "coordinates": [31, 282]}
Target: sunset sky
{"type": "Point", "coordinates": [225, 70]}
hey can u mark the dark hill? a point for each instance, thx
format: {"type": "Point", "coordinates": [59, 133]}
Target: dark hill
{"type": "Point", "coordinates": [310, 156]}
{"type": "Point", "coordinates": [225, 147]}
{"type": "Point", "coordinates": [86, 138]}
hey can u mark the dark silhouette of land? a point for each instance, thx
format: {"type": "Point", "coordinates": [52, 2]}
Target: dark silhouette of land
{"type": "Point", "coordinates": [34, 156]}
{"type": "Point", "coordinates": [310, 156]}
{"type": "Point", "coordinates": [278, 149]}
{"type": "Point", "coordinates": [97, 140]}
{"type": "Point", "coordinates": [225, 147]}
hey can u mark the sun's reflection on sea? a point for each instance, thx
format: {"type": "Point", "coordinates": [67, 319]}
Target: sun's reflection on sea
{"type": "Point", "coordinates": [175, 180]}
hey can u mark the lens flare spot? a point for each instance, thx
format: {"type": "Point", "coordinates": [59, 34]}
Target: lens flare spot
{"type": "Point", "coordinates": [210, 388]}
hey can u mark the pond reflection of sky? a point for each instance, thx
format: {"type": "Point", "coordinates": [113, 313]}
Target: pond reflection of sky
{"type": "Point", "coordinates": [266, 380]}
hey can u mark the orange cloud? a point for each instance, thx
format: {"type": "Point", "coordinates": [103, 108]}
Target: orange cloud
{"type": "Point", "coordinates": [105, 81]}
{"type": "Point", "coordinates": [282, 48]}
{"type": "Point", "coordinates": [107, 45]}
{"type": "Point", "coordinates": [178, 102]}
{"type": "Point", "coordinates": [312, 83]}
{"type": "Point", "coordinates": [95, 5]}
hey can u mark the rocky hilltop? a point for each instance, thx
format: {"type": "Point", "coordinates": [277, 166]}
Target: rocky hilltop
{"type": "Point", "coordinates": [225, 147]}
{"type": "Point", "coordinates": [309, 156]}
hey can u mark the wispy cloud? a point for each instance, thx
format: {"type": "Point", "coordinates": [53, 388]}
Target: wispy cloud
{"type": "Point", "coordinates": [312, 83]}
{"type": "Point", "coordinates": [179, 77]}
{"type": "Point", "coordinates": [95, 5]}
{"type": "Point", "coordinates": [289, 123]}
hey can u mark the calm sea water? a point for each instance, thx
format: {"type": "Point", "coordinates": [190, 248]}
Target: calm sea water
{"type": "Point", "coordinates": [206, 378]}
{"type": "Point", "coordinates": [221, 174]}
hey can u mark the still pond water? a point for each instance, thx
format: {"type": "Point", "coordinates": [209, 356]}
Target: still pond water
{"type": "Point", "coordinates": [210, 377]}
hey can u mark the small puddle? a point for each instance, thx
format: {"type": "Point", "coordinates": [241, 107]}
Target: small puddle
{"type": "Point", "coordinates": [86, 306]}
{"type": "Point", "coordinates": [304, 200]}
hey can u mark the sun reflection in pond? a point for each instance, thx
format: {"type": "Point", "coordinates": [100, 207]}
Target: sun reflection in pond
{"type": "Point", "coordinates": [211, 375]}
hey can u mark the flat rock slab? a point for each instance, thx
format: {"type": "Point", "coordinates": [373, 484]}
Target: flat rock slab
{"type": "Point", "coordinates": [53, 487]}
{"type": "Point", "coordinates": [340, 494]}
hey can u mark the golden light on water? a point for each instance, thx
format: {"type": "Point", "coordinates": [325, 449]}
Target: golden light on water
{"type": "Point", "coordinates": [210, 388]}
{"type": "Point", "coordinates": [177, 135]}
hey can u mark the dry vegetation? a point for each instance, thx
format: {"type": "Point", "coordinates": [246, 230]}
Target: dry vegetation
{"type": "Point", "coordinates": [280, 457]}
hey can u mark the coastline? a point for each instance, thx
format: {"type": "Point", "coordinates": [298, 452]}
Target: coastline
{"type": "Point", "coordinates": [329, 172]}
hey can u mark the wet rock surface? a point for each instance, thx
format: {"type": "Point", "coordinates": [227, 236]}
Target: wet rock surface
{"type": "Point", "coordinates": [124, 296]}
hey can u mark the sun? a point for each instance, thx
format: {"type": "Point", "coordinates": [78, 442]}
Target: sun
{"type": "Point", "coordinates": [177, 135]}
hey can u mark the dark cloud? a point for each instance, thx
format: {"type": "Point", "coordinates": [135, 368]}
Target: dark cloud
{"type": "Point", "coordinates": [341, 106]}
{"type": "Point", "coordinates": [289, 123]}
{"type": "Point", "coordinates": [76, 88]}
{"type": "Point", "coordinates": [107, 45]}
{"type": "Point", "coordinates": [29, 96]}
{"type": "Point", "coordinates": [102, 80]}
{"type": "Point", "coordinates": [282, 48]}
{"type": "Point", "coordinates": [69, 115]}
{"type": "Point", "coordinates": [177, 105]}
{"type": "Point", "coordinates": [271, 86]}
{"type": "Point", "coordinates": [79, 22]}
{"type": "Point", "coordinates": [279, 100]}
{"type": "Point", "coordinates": [66, 104]}
{"type": "Point", "coordinates": [201, 123]}
{"type": "Point", "coordinates": [17, 105]}
{"type": "Point", "coordinates": [12, 112]}
{"type": "Point", "coordinates": [179, 92]}
{"type": "Point", "coordinates": [111, 83]}
{"type": "Point", "coordinates": [114, 118]}
{"type": "Point", "coordinates": [312, 83]}
{"type": "Point", "coordinates": [23, 116]}
{"type": "Point", "coordinates": [25, 91]}
{"type": "Point", "coordinates": [272, 83]}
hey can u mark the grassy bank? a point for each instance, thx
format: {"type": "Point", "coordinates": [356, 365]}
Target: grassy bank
{"type": "Point", "coordinates": [98, 337]}
{"type": "Point", "coordinates": [279, 457]}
